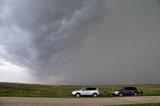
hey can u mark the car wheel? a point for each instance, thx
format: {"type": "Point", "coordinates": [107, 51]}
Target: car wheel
{"type": "Point", "coordinates": [77, 94]}
{"type": "Point", "coordinates": [94, 95]}
{"type": "Point", "coordinates": [120, 94]}
{"type": "Point", "coordinates": [135, 94]}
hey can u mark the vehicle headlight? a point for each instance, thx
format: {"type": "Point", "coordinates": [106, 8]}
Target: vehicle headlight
{"type": "Point", "coordinates": [73, 92]}
{"type": "Point", "coordinates": [116, 92]}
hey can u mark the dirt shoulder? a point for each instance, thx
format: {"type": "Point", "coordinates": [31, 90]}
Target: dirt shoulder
{"type": "Point", "coordinates": [106, 101]}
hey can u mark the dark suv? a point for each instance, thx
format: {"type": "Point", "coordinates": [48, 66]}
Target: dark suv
{"type": "Point", "coordinates": [127, 91]}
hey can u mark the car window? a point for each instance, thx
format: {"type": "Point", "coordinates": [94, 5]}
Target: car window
{"type": "Point", "coordinates": [91, 89]}
{"type": "Point", "coordinates": [126, 88]}
{"type": "Point", "coordinates": [84, 89]}
{"type": "Point", "coordinates": [133, 88]}
{"type": "Point", "coordinates": [130, 88]}
{"type": "Point", "coordinates": [123, 88]}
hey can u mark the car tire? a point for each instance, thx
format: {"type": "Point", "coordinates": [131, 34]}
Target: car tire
{"type": "Point", "coordinates": [77, 94]}
{"type": "Point", "coordinates": [94, 95]}
{"type": "Point", "coordinates": [135, 94]}
{"type": "Point", "coordinates": [120, 94]}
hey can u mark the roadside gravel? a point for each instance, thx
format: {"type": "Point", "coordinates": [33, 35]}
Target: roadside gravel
{"type": "Point", "coordinates": [26, 101]}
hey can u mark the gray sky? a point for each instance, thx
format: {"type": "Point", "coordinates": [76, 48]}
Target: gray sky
{"type": "Point", "coordinates": [80, 41]}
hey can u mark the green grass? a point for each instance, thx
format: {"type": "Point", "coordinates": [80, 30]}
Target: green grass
{"type": "Point", "coordinates": [147, 104]}
{"type": "Point", "coordinates": [64, 91]}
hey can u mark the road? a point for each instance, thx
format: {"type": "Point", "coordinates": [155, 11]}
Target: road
{"type": "Point", "coordinates": [26, 101]}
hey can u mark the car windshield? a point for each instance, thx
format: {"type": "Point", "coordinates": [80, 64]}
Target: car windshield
{"type": "Point", "coordinates": [122, 88]}
{"type": "Point", "coordinates": [83, 89]}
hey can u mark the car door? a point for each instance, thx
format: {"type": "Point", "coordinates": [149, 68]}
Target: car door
{"type": "Point", "coordinates": [85, 91]}
{"type": "Point", "coordinates": [126, 91]}
{"type": "Point", "coordinates": [88, 91]}
{"type": "Point", "coordinates": [129, 91]}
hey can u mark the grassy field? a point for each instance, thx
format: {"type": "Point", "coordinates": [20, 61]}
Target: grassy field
{"type": "Point", "coordinates": [33, 90]}
{"type": "Point", "coordinates": [148, 104]}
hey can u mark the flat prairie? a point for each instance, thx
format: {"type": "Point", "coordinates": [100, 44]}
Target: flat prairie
{"type": "Point", "coordinates": [64, 91]}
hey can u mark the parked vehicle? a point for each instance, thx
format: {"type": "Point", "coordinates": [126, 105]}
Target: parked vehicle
{"type": "Point", "coordinates": [86, 91]}
{"type": "Point", "coordinates": [127, 91]}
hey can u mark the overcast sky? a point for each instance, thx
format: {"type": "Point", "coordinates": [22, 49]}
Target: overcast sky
{"type": "Point", "coordinates": [80, 41]}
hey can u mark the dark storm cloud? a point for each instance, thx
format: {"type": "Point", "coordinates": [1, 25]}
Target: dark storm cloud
{"type": "Point", "coordinates": [51, 39]}
{"type": "Point", "coordinates": [37, 33]}
{"type": "Point", "coordinates": [124, 50]}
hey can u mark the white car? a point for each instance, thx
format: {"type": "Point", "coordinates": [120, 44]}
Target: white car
{"type": "Point", "coordinates": [86, 91]}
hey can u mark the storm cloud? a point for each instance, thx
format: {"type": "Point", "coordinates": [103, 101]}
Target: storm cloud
{"type": "Point", "coordinates": [37, 33]}
{"type": "Point", "coordinates": [124, 49]}
{"type": "Point", "coordinates": [80, 41]}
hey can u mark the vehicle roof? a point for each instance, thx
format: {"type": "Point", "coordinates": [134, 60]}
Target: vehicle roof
{"type": "Point", "coordinates": [89, 87]}
{"type": "Point", "coordinates": [130, 87]}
